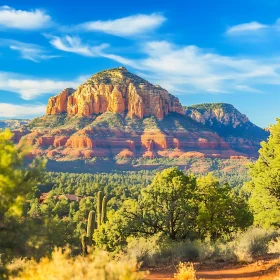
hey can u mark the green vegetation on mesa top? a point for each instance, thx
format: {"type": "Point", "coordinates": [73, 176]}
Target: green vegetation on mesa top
{"type": "Point", "coordinates": [227, 108]}
{"type": "Point", "coordinates": [60, 121]}
{"type": "Point", "coordinates": [118, 75]}
{"type": "Point", "coordinates": [224, 126]}
{"type": "Point", "coordinates": [173, 121]}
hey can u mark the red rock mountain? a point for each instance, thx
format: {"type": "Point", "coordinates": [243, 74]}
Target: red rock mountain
{"type": "Point", "coordinates": [117, 115]}
{"type": "Point", "coordinates": [116, 91]}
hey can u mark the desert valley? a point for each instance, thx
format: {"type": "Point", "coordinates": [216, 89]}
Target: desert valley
{"type": "Point", "coordinates": [139, 141]}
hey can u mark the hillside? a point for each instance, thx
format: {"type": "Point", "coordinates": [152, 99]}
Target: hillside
{"type": "Point", "coordinates": [120, 118]}
{"type": "Point", "coordinates": [235, 127]}
{"type": "Point", "coordinates": [12, 124]}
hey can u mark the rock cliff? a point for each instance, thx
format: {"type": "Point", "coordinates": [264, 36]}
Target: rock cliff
{"type": "Point", "coordinates": [116, 91]}
{"type": "Point", "coordinates": [58, 103]}
{"type": "Point", "coordinates": [119, 116]}
{"type": "Point", "coordinates": [212, 114]}
{"type": "Point", "coordinates": [235, 127]}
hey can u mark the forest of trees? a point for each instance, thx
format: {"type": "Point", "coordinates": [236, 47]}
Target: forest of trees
{"type": "Point", "coordinates": [172, 203]}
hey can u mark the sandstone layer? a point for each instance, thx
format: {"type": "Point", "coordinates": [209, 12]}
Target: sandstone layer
{"type": "Point", "coordinates": [118, 115]}
{"type": "Point", "coordinates": [116, 91]}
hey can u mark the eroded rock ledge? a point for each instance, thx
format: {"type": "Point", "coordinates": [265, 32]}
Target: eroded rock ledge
{"type": "Point", "coordinates": [116, 91]}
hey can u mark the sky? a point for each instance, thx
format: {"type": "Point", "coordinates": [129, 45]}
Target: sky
{"type": "Point", "coordinates": [199, 50]}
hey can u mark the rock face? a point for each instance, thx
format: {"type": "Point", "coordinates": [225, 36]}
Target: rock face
{"type": "Point", "coordinates": [119, 116]}
{"type": "Point", "coordinates": [116, 91]}
{"type": "Point", "coordinates": [58, 103]}
{"type": "Point", "coordinates": [235, 128]}
{"type": "Point", "coordinates": [212, 114]}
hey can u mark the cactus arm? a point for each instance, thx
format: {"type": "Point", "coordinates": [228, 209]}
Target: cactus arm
{"type": "Point", "coordinates": [99, 208]}
{"type": "Point", "coordinates": [90, 226]}
{"type": "Point", "coordinates": [104, 206]}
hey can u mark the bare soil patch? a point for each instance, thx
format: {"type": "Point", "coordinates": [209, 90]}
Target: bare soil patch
{"type": "Point", "coordinates": [261, 269]}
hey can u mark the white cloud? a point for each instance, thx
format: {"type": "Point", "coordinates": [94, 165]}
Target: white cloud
{"type": "Point", "coordinates": [74, 45]}
{"type": "Point", "coordinates": [30, 88]}
{"type": "Point", "coordinates": [127, 26]}
{"type": "Point", "coordinates": [8, 110]}
{"type": "Point", "coordinates": [27, 51]}
{"type": "Point", "coordinates": [184, 69]}
{"type": "Point", "coordinates": [25, 20]}
{"type": "Point", "coordinates": [245, 88]}
{"type": "Point", "coordinates": [245, 28]}
{"type": "Point", "coordinates": [120, 59]}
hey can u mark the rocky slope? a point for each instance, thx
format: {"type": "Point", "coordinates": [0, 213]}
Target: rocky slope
{"type": "Point", "coordinates": [234, 127]}
{"type": "Point", "coordinates": [117, 115]}
{"type": "Point", "coordinates": [216, 114]}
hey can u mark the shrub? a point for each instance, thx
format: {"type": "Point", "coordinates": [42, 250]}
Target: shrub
{"type": "Point", "coordinates": [185, 271]}
{"type": "Point", "coordinates": [95, 266]}
{"type": "Point", "coordinates": [274, 246]}
{"type": "Point", "coordinates": [145, 250]}
{"type": "Point", "coordinates": [223, 252]}
{"type": "Point", "coordinates": [158, 250]}
{"type": "Point", "coordinates": [244, 246]}
{"type": "Point", "coordinates": [252, 243]}
{"type": "Point", "coordinates": [182, 251]}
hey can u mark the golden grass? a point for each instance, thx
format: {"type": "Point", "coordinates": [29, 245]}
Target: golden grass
{"type": "Point", "coordinates": [185, 271]}
{"type": "Point", "coordinates": [95, 266]}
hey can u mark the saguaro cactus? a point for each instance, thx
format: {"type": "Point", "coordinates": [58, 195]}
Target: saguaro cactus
{"type": "Point", "coordinates": [104, 212]}
{"type": "Point", "coordinates": [90, 226]}
{"type": "Point", "coordinates": [84, 244]}
{"type": "Point", "coordinates": [95, 220]}
{"type": "Point", "coordinates": [99, 208]}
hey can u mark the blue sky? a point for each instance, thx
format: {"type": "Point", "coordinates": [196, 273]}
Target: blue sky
{"type": "Point", "coordinates": [201, 51]}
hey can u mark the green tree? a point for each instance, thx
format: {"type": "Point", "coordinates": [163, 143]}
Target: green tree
{"type": "Point", "coordinates": [16, 179]}
{"type": "Point", "coordinates": [62, 207]}
{"type": "Point", "coordinates": [111, 236]}
{"type": "Point", "coordinates": [264, 187]}
{"type": "Point", "coordinates": [168, 205]}
{"type": "Point", "coordinates": [18, 183]}
{"type": "Point", "coordinates": [221, 211]}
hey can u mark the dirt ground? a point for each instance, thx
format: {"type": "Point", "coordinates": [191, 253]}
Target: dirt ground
{"type": "Point", "coordinates": [262, 269]}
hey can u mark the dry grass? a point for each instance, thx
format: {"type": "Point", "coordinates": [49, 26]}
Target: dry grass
{"type": "Point", "coordinates": [185, 271]}
{"type": "Point", "coordinates": [274, 246]}
{"type": "Point", "coordinates": [63, 267]}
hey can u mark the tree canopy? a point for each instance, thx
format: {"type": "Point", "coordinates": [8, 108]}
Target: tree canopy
{"type": "Point", "coordinates": [264, 187]}
{"type": "Point", "coordinates": [179, 206]}
{"type": "Point", "coordinates": [16, 179]}
{"type": "Point", "coordinates": [221, 211]}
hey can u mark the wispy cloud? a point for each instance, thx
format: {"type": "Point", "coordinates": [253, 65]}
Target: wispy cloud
{"type": "Point", "coordinates": [180, 69]}
{"type": "Point", "coordinates": [126, 26]}
{"type": "Point", "coordinates": [186, 69]}
{"type": "Point", "coordinates": [28, 51]}
{"type": "Point", "coordinates": [189, 68]}
{"type": "Point", "coordinates": [253, 26]}
{"type": "Point", "coordinates": [8, 110]}
{"type": "Point", "coordinates": [74, 45]}
{"type": "Point", "coordinates": [25, 20]}
{"type": "Point", "coordinates": [31, 87]}
{"type": "Point", "coordinates": [245, 88]}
